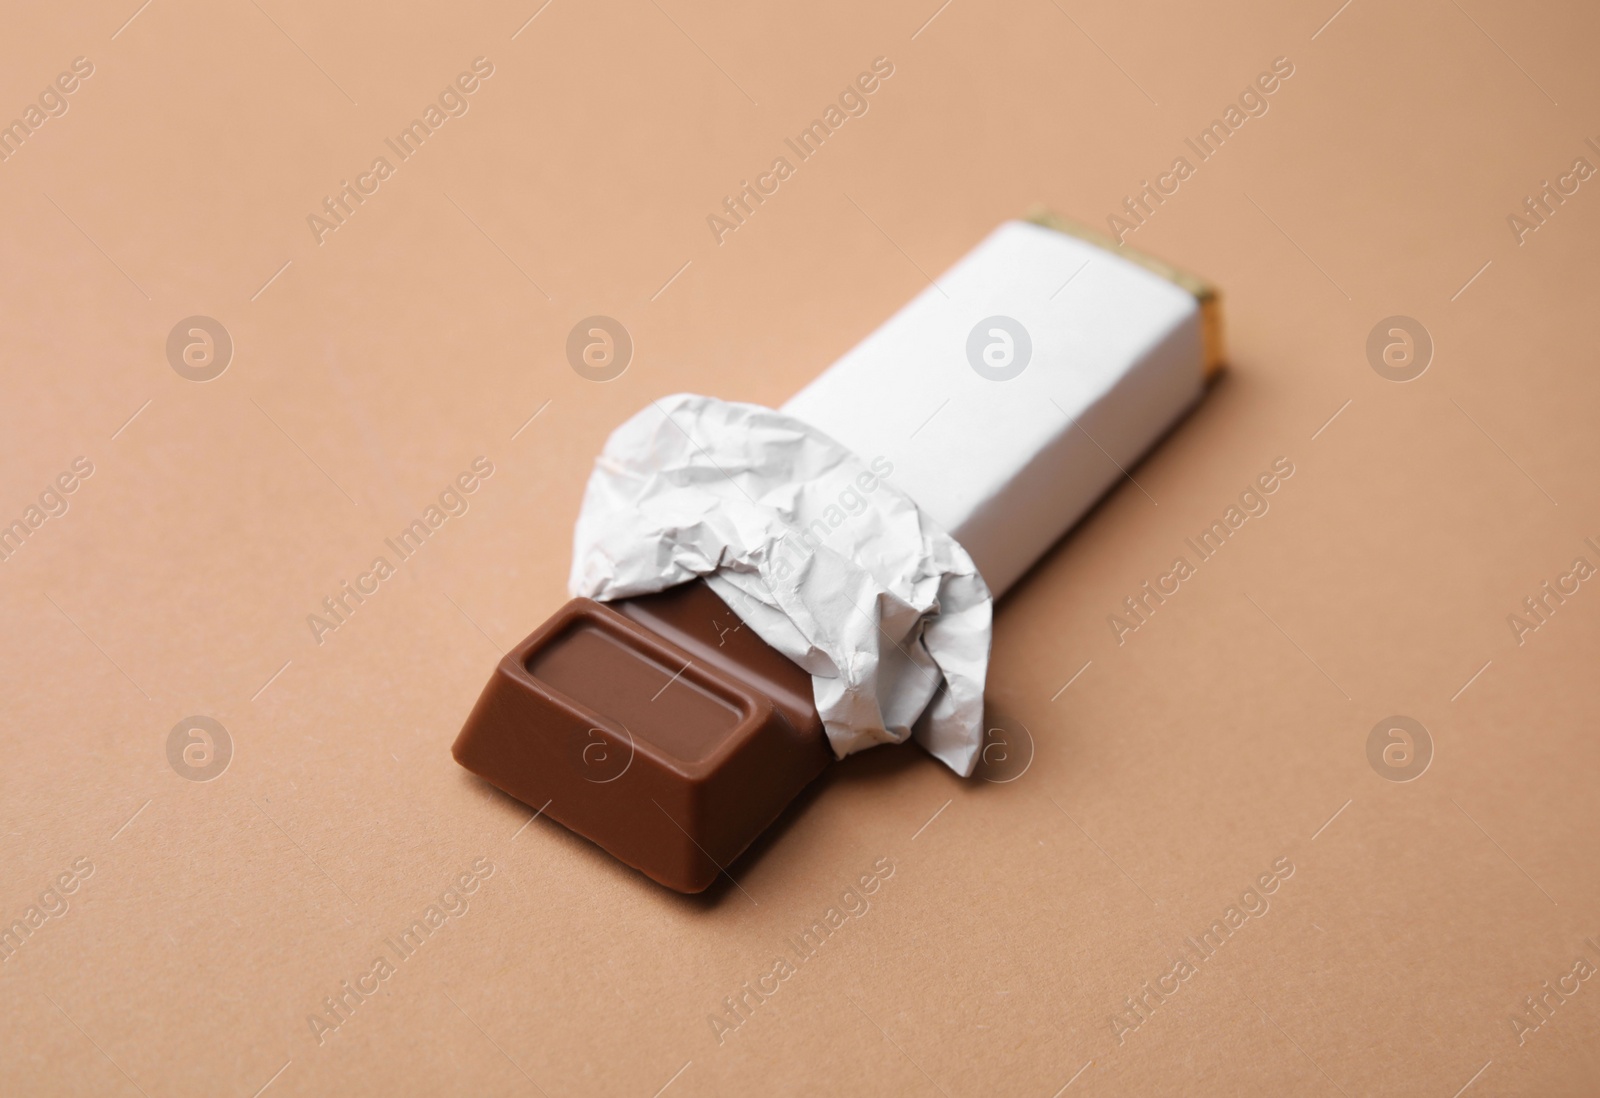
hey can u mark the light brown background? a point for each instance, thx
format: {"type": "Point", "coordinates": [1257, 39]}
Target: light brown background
{"type": "Point", "coordinates": [1174, 769]}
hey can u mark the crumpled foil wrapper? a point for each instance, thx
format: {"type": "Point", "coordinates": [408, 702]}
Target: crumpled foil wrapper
{"type": "Point", "coordinates": [812, 547]}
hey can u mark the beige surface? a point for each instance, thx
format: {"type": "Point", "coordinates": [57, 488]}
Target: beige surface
{"type": "Point", "coordinates": [1176, 769]}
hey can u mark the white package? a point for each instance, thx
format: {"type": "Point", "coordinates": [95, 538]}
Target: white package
{"type": "Point", "coordinates": [862, 529]}
{"type": "Point", "coordinates": [1008, 466]}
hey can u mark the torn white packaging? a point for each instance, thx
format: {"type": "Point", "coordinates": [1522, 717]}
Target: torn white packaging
{"type": "Point", "coordinates": [813, 548]}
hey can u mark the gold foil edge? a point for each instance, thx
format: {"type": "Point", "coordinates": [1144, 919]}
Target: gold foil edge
{"type": "Point", "coordinates": [1205, 293]}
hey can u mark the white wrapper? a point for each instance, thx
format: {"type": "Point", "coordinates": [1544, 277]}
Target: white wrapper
{"type": "Point", "coordinates": [812, 547]}
{"type": "Point", "coordinates": [1007, 466]}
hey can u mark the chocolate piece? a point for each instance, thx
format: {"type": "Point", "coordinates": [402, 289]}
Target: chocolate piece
{"type": "Point", "coordinates": [670, 734]}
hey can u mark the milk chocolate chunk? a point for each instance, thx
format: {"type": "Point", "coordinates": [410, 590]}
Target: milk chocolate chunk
{"type": "Point", "coordinates": [658, 727]}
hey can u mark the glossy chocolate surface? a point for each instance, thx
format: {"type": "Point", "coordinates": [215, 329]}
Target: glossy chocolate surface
{"type": "Point", "coordinates": [658, 727]}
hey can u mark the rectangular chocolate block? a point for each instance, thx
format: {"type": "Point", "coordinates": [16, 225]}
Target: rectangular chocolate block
{"type": "Point", "coordinates": [651, 732]}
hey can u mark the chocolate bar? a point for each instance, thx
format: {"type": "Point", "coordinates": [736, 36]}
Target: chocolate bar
{"type": "Point", "coordinates": [1007, 397]}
